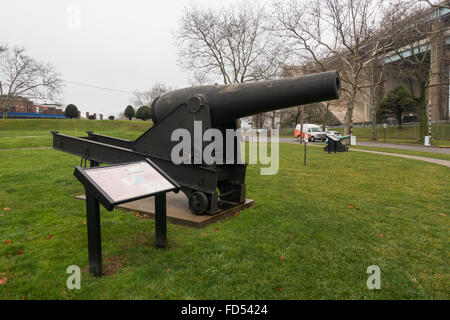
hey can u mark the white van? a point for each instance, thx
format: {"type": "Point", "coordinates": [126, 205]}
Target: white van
{"type": "Point", "coordinates": [313, 132]}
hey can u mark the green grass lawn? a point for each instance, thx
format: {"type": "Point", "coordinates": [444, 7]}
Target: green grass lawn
{"type": "Point", "coordinates": [312, 234]}
{"type": "Point", "coordinates": [26, 133]}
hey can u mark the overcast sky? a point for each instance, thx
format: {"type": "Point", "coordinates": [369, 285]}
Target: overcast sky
{"type": "Point", "coordinates": [125, 45]}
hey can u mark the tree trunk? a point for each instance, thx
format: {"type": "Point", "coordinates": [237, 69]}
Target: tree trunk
{"type": "Point", "coordinates": [348, 121]}
{"type": "Point", "coordinates": [3, 109]}
{"type": "Point", "coordinates": [399, 118]}
{"type": "Point", "coordinates": [374, 123]}
{"type": "Point", "coordinates": [325, 110]}
{"type": "Point", "coordinates": [274, 114]}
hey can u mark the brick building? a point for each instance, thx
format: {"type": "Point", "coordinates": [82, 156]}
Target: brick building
{"type": "Point", "coordinates": [24, 105]}
{"type": "Point", "coordinates": [49, 109]}
{"type": "Point", "coordinates": [20, 105]}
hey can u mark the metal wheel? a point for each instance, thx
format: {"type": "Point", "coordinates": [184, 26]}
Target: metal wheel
{"type": "Point", "coordinates": [198, 202]}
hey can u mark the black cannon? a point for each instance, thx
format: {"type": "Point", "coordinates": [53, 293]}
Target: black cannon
{"type": "Point", "coordinates": [334, 144]}
{"type": "Point", "coordinates": [208, 187]}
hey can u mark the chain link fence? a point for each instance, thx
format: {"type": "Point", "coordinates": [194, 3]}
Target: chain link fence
{"type": "Point", "coordinates": [440, 130]}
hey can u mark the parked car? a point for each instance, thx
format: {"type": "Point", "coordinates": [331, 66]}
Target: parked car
{"type": "Point", "coordinates": [312, 132]}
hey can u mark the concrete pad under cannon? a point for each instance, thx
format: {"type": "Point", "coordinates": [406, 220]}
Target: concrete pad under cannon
{"type": "Point", "coordinates": [178, 211]}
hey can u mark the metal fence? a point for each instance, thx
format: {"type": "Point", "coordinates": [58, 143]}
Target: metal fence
{"type": "Point", "coordinates": [440, 130]}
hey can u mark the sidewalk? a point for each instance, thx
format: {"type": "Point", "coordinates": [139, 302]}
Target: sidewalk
{"type": "Point", "coordinates": [31, 148]}
{"type": "Point", "coordinates": [403, 147]}
{"type": "Point", "coordinates": [407, 156]}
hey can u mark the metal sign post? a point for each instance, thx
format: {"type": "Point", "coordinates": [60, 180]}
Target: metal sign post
{"type": "Point", "coordinates": [306, 141]}
{"type": "Point", "coordinates": [117, 184]}
{"type": "Point", "coordinates": [429, 122]}
{"type": "Point", "coordinates": [160, 220]}
{"type": "Point", "coordinates": [94, 234]}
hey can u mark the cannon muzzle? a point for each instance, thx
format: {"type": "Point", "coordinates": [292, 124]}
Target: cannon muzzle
{"type": "Point", "coordinates": [231, 102]}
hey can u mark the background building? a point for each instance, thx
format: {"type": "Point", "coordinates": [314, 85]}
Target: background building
{"type": "Point", "coordinates": [25, 108]}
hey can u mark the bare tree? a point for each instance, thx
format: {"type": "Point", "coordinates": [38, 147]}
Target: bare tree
{"type": "Point", "coordinates": [291, 116]}
{"type": "Point", "coordinates": [146, 98]}
{"type": "Point", "coordinates": [338, 34]}
{"type": "Point", "coordinates": [313, 113]}
{"type": "Point", "coordinates": [233, 44]}
{"type": "Point", "coordinates": [23, 77]}
{"type": "Point", "coordinates": [374, 74]}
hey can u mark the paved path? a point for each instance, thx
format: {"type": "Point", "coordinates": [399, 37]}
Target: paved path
{"type": "Point", "coordinates": [403, 147]}
{"type": "Point", "coordinates": [406, 156]}
{"type": "Point", "coordinates": [34, 148]}
{"type": "Point", "coordinates": [42, 135]}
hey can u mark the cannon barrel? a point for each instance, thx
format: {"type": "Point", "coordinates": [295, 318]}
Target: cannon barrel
{"type": "Point", "coordinates": [231, 102]}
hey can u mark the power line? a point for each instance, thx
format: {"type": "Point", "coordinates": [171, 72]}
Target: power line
{"type": "Point", "coordinates": [98, 87]}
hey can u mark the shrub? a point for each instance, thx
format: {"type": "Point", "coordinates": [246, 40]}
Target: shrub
{"type": "Point", "coordinates": [397, 102]}
{"type": "Point", "coordinates": [129, 112]}
{"type": "Point", "coordinates": [143, 113]}
{"type": "Point", "coordinates": [71, 111]}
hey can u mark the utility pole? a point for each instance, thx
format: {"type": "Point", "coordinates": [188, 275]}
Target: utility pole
{"type": "Point", "coordinates": [304, 162]}
{"type": "Point", "coordinates": [301, 124]}
{"type": "Point", "coordinates": [301, 131]}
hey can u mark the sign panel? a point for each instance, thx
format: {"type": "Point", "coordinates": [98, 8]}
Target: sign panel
{"type": "Point", "coordinates": [120, 183]}
{"type": "Point", "coordinates": [127, 181]}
